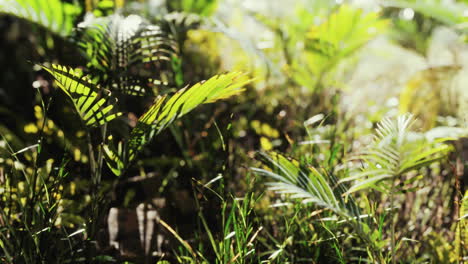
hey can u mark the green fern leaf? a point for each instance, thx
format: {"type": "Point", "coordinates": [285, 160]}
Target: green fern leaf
{"type": "Point", "coordinates": [54, 15]}
{"type": "Point", "coordinates": [92, 103]}
{"type": "Point", "coordinates": [394, 152]}
{"type": "Point", "coordinates": [308, 184]}
{"type": "Point", "coordinates": [164, 111]}
{"type": "Point", "coordinates": [344, 31]}
{"type": "Point", "coordinates": [129, 53]}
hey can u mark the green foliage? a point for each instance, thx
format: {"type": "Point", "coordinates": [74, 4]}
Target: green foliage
{"type": "Point", "coordinates": [201, 7]}
{"type": "Point", "coordinates": [33, 199]}
{"type": "Point", "coordinates": [238, 234]}
{"type": "Point", "coordinates": [308, 184]}
{"type": "Point", "coordinates": [343, 193]}
{"type": "Point", "coordinates": [393, 153]}
{"type": "Point", "coordinates": [93, 104]}
{"type": "Point", "coordinates": [340, 35]}
{"type": "Point", "coordinates": [127, 54]}
{"type": "Point", "coordinates": [464, 207]}
{"type": "Point", "coordinates": [163, 112]}
{"type": "Point", "coordinates": [55, 15]}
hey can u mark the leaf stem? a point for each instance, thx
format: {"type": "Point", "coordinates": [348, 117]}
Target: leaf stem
{"type": "Point", "coordinates": [392, 224]}
{"type": "Point", "coordinates": [94, 184]}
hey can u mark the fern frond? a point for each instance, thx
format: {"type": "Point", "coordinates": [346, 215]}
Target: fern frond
{"type": "Point", "coordinates": [345, 31]}
{"type": "Point", "coordinates": [92, 103]}
{"type": "Point", "coordinates": [121, 48]}
{"type": "Point", "coordinates": [54, 15]}
{"type": "Point", "coordinates": [164, 111]}
{"type": "Point", "coordinates": [308, 184]}
{"type": "Point", "coordinates": [394, 152]}
{"type": "Point", "coordinates": [337, 37]}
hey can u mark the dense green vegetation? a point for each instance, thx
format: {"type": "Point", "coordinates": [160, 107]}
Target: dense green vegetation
{"type": "Point", "coordinates": [218, 131]}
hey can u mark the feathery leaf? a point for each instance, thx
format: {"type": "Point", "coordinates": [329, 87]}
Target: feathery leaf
{"type": "Point", "coordinates": [394, 152]}
{"type": "Point", "coordinates": [92, 103]}
{"type": "Point", "coordinates": [164, 111]}
{"type": "Point", "coordinates": [54, 15]}
{"type": "Point", "coordinates": [128, 52]}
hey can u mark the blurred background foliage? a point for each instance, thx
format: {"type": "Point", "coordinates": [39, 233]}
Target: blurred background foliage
{"type": "Point", "coordinates": [327, 76]}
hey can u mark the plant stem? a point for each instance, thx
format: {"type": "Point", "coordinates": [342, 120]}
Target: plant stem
{"type": "Point", "coordinates": [100, 158]}
{"type": "Point", "coordinates": [94, 202]}
{"type": "Point", "coordinates": [392, 226]}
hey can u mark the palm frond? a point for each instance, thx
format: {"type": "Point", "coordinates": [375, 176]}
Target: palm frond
{"type": "Point", "coordinates": [394, 152]}
{"type": "Point", "coordinates": [128, 52]}
{"type": "Point", "coordinates": [344, 31]}
{"type": "Point", "coordinates": [164, 111]}
{"type": "Point", "coordinates": [311, 185]}
{"type": "Point", "coordinates": [54, 15]}
{"type": "Point", "coordinates": [93, 104]}
{"type": "Point", "coordinates": [308, 184]}
{"type": "Point", "coordinates": [337, 37]}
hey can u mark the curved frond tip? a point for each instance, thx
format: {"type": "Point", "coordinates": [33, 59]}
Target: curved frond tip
{"type": "Point", "coordinates": [93, 104]}
{"type": "Point", "coordinates": [395, 151]}
{"type": "Point", "coordinates": [166, 110]}
{"type": "Point", "coordinates": [54, 15]}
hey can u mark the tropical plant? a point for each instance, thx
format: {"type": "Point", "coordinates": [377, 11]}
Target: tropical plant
{"type": "Point", "coordinates": [164, 111]}
{"type": "Point", "coordinates": [120, 107]}
{"type": "Point", "coordinates": [395, 152]}
{"type": "Point", "coordinates": [94, 106]}
{"type": "Point", "coordinates": [340, 35]}
{"type": "Point", "coordinates": [310, 185]}
{"type": "Point", "coordinates": [127, 54]}
{"type": "Point", "coordinates": [325, 39]}
{"type": "Point", "coordinates": [55, 15]}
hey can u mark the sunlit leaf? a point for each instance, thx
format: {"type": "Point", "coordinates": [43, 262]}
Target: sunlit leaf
{"type": "Point", "coordinates": [55, 15]}
{"type": "Point", "coordinates": [93, 104]}
{"type": "Point", "coordinates": [393, 153]}
{"type": "Point", "coordinates": [165, 110]}
{"type": "Point", "coordinates": [128, 52]}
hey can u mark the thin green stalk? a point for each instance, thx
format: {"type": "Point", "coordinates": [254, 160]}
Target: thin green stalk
{"type": "Point", "coordinates": [101, 154]}
{"type": "Point", "coordinates": [92, 160]}
{"type": "Point", "coordinates": [392, 224]}
{"type": "Point", "coordinates": [32, 197]}
{"type": "Point", "coordinates": [94, 200]}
